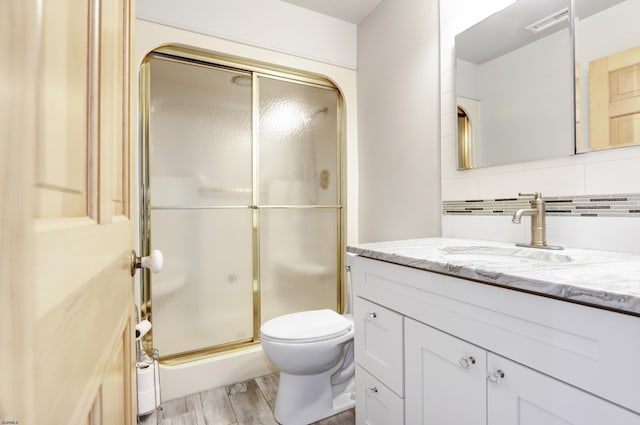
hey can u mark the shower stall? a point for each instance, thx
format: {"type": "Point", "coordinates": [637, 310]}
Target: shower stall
{"type": "Point", "coordinates": [241, 190]}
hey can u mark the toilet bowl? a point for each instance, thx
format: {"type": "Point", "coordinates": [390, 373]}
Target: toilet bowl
{"type": "Point", "coordinates": [314, 352]}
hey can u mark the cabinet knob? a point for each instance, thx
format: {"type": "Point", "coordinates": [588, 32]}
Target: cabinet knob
{"type": "Point", "coordinates": [466, 362]}
{"type": "Point", "coordinates": [371, 391]}
{"type": "Point", "coordinates": [495, 376]}
{"type": "Point", "coordinates": [372, 315]}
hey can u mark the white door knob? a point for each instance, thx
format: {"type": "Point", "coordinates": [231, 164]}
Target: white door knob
{"type": "Point", "coordinates": [153, 262]}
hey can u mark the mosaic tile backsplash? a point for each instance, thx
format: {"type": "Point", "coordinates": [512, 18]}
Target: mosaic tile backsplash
{"type": "Point", "coordinates": [625, 205]}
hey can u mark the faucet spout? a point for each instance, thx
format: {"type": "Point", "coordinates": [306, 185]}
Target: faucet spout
{"type": "Point", "coordinates": [517, 216]}
{"type": "Point", "coordinates": [538, 226]}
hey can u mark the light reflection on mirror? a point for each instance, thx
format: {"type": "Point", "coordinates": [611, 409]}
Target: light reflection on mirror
{"type": "Point", "coordinates": [607, 74]}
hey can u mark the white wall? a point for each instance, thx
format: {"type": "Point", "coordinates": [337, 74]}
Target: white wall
{"type": "Point", "coordinates": [399, 153]}
{"type": "Point", "coordinates": [270, 24]}
{"type": "Point", "coordinates": [605, 172]}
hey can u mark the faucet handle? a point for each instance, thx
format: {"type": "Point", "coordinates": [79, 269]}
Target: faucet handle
{"type": "Point", "coordinates": [535, 195]}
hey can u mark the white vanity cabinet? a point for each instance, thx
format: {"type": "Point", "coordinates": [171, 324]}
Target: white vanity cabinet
{"type": "Point", "coordinates": [474, 353]}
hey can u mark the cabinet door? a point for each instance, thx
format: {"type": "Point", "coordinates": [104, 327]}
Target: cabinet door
{"type": "Point", "coordinates": [378, 342]}
{"type": "Point", "coordinates": [445, 378]}
{"type": "Point", "coordinates": [375, 403]}
{"type": "Point", "coordinates": [526, 397]}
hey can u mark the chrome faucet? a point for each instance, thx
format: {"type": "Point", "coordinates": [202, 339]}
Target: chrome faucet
{"type": "Point", "coordinates": [538, 225]}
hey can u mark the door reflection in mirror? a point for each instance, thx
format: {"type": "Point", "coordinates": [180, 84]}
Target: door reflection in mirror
{"type": "Point", "coordinates": [607, 74]}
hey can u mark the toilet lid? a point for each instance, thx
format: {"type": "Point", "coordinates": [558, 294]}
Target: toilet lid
{"type": "Point", "coordinates": [306, 326]}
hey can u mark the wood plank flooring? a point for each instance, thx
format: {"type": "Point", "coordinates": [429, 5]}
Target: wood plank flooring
{"type": "Point", "coordinates": [244, 403]}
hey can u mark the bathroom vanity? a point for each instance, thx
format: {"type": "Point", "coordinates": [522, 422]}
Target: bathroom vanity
{"type": "Point", "coordinates": [475, 332]}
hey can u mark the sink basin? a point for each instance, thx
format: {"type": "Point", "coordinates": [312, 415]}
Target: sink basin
{"type": "Point", "coordinates": [504, 255]}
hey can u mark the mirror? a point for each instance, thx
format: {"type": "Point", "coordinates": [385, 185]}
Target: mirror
{"type": "Point", "coordinates": [514, 85]}
{"type": "Point", "coordinates": [607, 55]}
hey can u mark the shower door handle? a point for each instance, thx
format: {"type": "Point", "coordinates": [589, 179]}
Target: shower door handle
{"type": "Point", "coordinates": [153, 262]}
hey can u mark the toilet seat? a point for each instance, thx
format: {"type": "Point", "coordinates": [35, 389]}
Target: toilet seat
{"type": "Point", "coordinates": [306, 327]}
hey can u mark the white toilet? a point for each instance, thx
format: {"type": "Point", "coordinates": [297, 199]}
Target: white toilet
{"type": "Point", "coordinates": [314, 352]}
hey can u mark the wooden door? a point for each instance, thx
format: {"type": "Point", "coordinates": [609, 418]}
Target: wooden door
{"type": "Point", "coordinates": [614, 100]}
{"type": "Point", "coordinates": [526, 397]}
{"type": "Point", "coordinates": [66, 293]}
{"type": "Point", "coordinates": [445, 378]}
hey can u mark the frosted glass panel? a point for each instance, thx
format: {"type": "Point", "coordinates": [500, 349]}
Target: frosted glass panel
{"type": "Point", "coordinates": [204, 295]}
{"type": "Point", "coordinates": [299, 260]}
{"type": "Point", "coordinates": [203, 121]}
{"type": "Point", "coordinates": [298, 161]}
{"type": "Point", "coordinates": [200, 135]}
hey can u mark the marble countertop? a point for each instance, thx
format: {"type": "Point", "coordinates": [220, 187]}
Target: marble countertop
{"type": "Point", "coordinates": [604, 279]}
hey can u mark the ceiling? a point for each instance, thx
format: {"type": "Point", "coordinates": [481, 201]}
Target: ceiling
{"type": "Point", "coordinates": [505, 30]}
{"type": "Point", "coordinates": [348, 10]}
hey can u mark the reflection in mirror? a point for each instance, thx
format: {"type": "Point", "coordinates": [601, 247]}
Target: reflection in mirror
{"type": "Point", "coordinates": [514, 79]}
{"type": "Point", "coordinates": [607, 74]}
{"type": "Point", "coordinates": [465, 139]}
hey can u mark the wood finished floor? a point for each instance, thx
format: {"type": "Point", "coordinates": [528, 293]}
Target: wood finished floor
{"type": "Point", "coordinates": [244, 403]}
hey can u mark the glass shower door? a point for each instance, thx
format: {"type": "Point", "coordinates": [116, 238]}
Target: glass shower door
{"type": "Point", "coordinates": [200, 205]}
{"type": "Point", "coordinates": [241, 192]}
{"type": "Point", "coordinates": [299, 197]}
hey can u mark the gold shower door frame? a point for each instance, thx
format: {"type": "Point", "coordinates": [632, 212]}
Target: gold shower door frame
{"type": "Point", "coordinates": [192, 56]}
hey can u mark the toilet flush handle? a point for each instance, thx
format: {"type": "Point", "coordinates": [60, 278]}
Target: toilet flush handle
{"type": "Point", "coordinates": [153, 262]}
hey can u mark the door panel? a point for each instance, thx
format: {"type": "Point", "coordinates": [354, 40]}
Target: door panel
{"type": "Point", "coordinates": [204, 295]}
{"type": "Point", "coordinates": [62, 146]}
{"type": "Point", "coordinates": [73, 311]}
{"type": "Point", "coordinates": [445, 378]}
{"type": "Point", "coordinates": [614, 92]}
{"type": "Point", "coordinates": [298, 140]}
{"type": "Point", "coordinates": [200, 176]}
{"type": "Point", "coordinates": [200, 135]}
{"type": "Point", "coordinates": [298, 261]}
{"type": "Point", "coordinates": [114, 111]}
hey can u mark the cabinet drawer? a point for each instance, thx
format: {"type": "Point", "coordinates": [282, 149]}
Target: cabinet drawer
{"type": "Point", "coordinates": [375, 403]}
{"type": "Point", "coordinates": [378, 343]}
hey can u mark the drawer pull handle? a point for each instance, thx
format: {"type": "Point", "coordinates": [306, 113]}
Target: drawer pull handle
{"type": "Point", "coordinates": [372, 315]}
{"type": "Point", "coordinates": [466, 362]}
{"type": "Point", "coordinates": [495, 376]}
{"type": "Point", "coordinates": [372, 391]}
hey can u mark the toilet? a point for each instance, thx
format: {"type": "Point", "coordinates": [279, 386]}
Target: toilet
{"type": "Point", "coordinates": [314, 352]}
